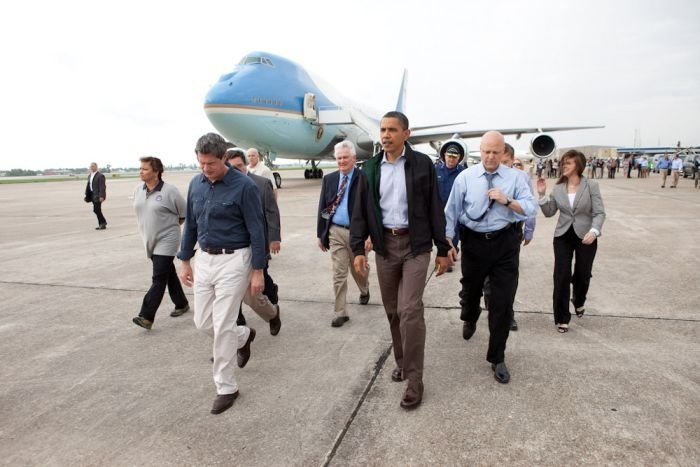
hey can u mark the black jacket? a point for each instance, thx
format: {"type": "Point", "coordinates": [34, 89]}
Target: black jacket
{"type": "Point", "coordinates": [426, 219]}
{"type": "Point", "coordinates": [329, 191]}
{"type": "Point", "coordinates": [99, 188]}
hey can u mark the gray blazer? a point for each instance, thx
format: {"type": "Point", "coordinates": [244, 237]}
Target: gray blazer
{"type": "Point", "coordinates": [270, 209]}
{"type": "Point", "coordinates": [588, 211]}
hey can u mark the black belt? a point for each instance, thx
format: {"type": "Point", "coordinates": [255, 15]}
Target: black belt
{"type": "Point", "coordinates": [396, 232]}
{"type": "Point", "coordinates": [343, 226]}
{"type": "Point", "coordinates": [219, 251]}
{"type": "Point", "coordinates": [487, 235]}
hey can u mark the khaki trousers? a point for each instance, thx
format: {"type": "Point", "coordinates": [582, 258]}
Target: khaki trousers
{"type": "Point", "coordinates": [664, 174]}
{"type": "Point", "coordinates": [401, 282]}
{"type": "Point", "coordinates": [220, 282]}
{"type": "Point", "coordinates": [676, 175]}
{"type": "Point", "coordinates": [342, 258]}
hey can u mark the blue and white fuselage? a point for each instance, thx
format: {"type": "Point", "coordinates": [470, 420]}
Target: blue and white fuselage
{"type": "Point", "coordinates": [273, 104]}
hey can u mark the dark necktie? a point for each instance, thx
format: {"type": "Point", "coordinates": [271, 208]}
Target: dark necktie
{"type": "Point", "coordinates": [330, 210]}
{"type": "Point", "coordinates": [489, 179]}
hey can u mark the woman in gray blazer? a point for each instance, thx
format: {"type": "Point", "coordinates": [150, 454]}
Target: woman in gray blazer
{"type": "Point", "coordinates": [581, 216]}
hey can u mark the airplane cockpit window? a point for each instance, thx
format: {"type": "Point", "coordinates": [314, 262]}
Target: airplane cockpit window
{"type": "Point", "coordinates": [252, 59]}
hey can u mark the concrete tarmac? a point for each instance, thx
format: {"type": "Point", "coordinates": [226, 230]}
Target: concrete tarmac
{"type": "Point", "coordinates": [80, 385]}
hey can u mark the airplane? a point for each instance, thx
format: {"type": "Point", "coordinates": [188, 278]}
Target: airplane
{"type": "Point", "coordinates": [273, 104]}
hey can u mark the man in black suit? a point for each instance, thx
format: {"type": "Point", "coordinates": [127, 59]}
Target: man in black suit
{"type": "Point", "coordinates": [96, 192]}
{"type": "Point", "coordinates": [265, 304]}
{"type": "Point", "coordinates": [333, 227]}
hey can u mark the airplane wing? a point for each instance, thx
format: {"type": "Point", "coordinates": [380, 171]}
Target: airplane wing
{"type": "Point", "coordinates": [420, 137]}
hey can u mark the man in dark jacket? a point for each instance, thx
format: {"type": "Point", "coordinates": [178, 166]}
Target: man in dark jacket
{"type": "Point", "coordinates": [398, 206]}
{"type": "Point", "coordinates": [333, 227]}
{"type": "Point", "coordinates": [96, 193]}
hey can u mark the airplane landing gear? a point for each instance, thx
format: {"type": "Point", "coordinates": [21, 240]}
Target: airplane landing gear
{"type": "Point", "coordinates": [313, 172]}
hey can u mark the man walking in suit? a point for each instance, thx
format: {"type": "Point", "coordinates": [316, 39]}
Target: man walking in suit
{"type": "Point", "coordinates": [399, 207]}
{"type": "Point", "coordinates": [487, 201]}
{"type": "Point", "coordinates": [96, 193]}
{"type": "Point", "coordinates": [335, 208]}
{"type": "Point", "coordinates": [266, 304]}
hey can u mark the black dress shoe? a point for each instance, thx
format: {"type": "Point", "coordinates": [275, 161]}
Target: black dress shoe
{"type": "Point", "coordinates": [468, 330]}
{"type": "Point", "coordinates": [223, 402]}
{"type": "Point", "coordinates": [513, 324]}
{"type": "Point", "coordinates": [500, 372]}
{"type": "Point", "coordinates": [339, 321]}
{"type": "Point", "coordinates": [413, 395]}
{"type": "Point", "coordinates": [397, 375]}
{"type": "Point", "coordinates": [276, 323]}
{"type": "Point", "coordinates": [244, 352]}
{"type": "Point", "coordinates": [179, 311]}
{"type": "Point", "coordinates": [364, 299]}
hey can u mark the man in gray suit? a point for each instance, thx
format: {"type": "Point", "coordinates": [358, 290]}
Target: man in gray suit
{"type": "Point", "coordinates": [266, 304]}
{"type": "Point", "coordinates": [96, 193]}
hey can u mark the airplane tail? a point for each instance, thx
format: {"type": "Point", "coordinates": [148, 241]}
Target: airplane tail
{"type": "Point", "coordinates": [401, 104]}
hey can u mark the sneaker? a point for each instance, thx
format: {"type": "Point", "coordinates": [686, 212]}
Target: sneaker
{"type": "Point", "coordinates": [180, 311]}
{"type": "Point", "coordinates": [143, 322]}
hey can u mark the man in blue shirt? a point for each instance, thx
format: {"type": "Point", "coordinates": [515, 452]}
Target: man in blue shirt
{"type": "Point", "coordinates": [333, 227]}
{"type": "Point", "coordinates": [488, 200]}
{"type": "Point", "coordinates": [446, 174]}
{"type": "Point", "coordinates": [224, 217]}
{"type": "Point", "coordinates": [525, 229]}
{"type": "Point", "coordinates": [663, 165]}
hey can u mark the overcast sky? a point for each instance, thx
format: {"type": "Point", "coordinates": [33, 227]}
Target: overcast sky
{"type": "Point", "coordinates": [113, 81]}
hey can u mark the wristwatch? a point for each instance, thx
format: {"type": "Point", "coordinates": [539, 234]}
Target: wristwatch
{"type": "Point", "coordinates": [508, 201]}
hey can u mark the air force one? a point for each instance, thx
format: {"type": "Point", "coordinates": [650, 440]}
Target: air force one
{"type": "Point", "coordinates": [275, 105]}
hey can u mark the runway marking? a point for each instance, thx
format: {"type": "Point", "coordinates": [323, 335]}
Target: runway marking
{"type": "Point", "coordinates": [378, 366]}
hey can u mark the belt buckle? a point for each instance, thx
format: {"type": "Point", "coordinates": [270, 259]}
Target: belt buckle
{"type": "Point", "coordinates": [489, 235]}
{"type": "Point", "coordinates": [395, 232]}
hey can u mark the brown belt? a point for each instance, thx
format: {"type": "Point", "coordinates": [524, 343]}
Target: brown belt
{"type": "Point", "coordinates": [396, 231]}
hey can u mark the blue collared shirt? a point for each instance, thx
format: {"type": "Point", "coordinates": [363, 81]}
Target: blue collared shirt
{"type": "Point", "coordinates": [468, 195]}
{"type": "Point", "coordinates": [224, 214]}
{"type": "Point", "coordinates": [392, 192]}
{"type": "Point", "coordinates": [663, 163]}
{"type": "Point", "coordinates": [342, 216]}
{"type": "Point", "coordinates": [531, 221]}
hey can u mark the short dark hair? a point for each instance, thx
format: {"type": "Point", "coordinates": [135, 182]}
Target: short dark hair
{"type": "Point", "coordinates": [155, 164]}
{"type": "Point", "coordinates": [403, 119]}
{"type": "Point", "coordinates": [211, 143]}
{"type": "Point", "coordinates": [233, 153]}
{"type": "Point", "coordinates": [510, 151]}
{"type": "Point", "coordinates": [578, 158]}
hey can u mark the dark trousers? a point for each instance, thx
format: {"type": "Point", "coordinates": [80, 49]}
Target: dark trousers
{"type": "Point", "coordinates": [565, 247]}
{"type": "Point", "coordinates": [497, 258]}
{"type": "Point", "coordinates": [401, 277]}
{"type": "Point", "coordinates": [97, 209]}
{"type": "Point", "coordinates": [164, 275]}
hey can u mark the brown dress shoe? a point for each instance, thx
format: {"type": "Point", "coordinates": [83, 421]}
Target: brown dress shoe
{"type": "Point", "coordinates": [413, 395]}
{"type": "Point", "coordinates": [397, 375]}
{"type": "Point", "coordinates": [244, 352]}
{"type": "Point", "coordinates": [276, 323]}
{"type": "Point", "coordinates": [223, 402]}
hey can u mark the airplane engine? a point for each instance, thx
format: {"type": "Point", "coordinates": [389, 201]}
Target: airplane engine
{"type": "Point", "coordinates": [542, 146]}
{"type": "Point", "coordinates": [454, 144]}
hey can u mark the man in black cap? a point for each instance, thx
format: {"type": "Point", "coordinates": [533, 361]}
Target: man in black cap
{"type": "Point", "coordinates": [446, 173]}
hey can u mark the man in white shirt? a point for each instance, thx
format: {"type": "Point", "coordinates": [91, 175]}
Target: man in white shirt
{"type": "Point", "coordinates": [676, 169]}
{"type": "Point", "coordinates": [259, 168]}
